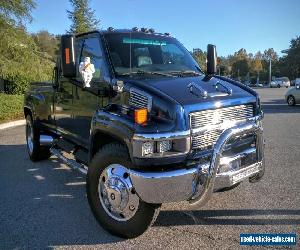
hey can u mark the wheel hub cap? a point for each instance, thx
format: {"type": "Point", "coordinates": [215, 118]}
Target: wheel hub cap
{"type": "Point", "coordinates": [116, 193]}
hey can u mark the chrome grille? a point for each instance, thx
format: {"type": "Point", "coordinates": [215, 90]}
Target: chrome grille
{"type": "Point", "coordinates": [140, 99]}
{"type": "Point", "coordinates": [206, 140]}
{"type": "Point", "coordinates": [216, 116]}
{"type": "Point", "coordinates": [205, 119]}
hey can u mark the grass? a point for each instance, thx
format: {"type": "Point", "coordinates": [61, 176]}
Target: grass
{"type": "Point", "coordinates": [11, 107]}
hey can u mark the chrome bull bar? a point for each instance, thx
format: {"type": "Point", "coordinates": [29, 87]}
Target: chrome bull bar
{"type": "Point", "coordinates": [196, 184]}
{"type": "Point", "coordinates": [205, 184]}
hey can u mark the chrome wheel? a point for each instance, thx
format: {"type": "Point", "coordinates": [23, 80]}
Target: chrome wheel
{"type": "Point", "coordinates": [116, 193]}
{"type": "Point", "coordinates": [29, 135]}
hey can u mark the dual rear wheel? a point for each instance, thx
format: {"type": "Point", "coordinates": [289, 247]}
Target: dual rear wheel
{"type": "Point", "coordinates": [35, 151]}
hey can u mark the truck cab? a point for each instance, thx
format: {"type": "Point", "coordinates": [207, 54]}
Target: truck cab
{"type": "Point", "coordinates": [134, 111]}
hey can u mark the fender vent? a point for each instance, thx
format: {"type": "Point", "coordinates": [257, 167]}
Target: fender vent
{"type": "Point", "coordinates": [140, 99]}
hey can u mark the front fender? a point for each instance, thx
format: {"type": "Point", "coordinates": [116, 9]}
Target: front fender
{"type": "Point", "coordinates": [114, 125]}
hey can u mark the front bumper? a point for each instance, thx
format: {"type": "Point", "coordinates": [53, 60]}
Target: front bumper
{"type": "Point", "coordinates": [197, 183]}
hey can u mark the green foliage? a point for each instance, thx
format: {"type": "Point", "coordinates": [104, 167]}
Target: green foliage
{"type": "Point", "coordinates": [270, 54]}
{"type": "Point", "coordinates": [47, 43]}
{"type": "Point", "coordinates": [82, 17]}
{"type": "Point", "coordinates": [11, 107]}
{"type": "Point", "coordinates": [244, 66]}
{"type": "Point", "coordinates": [240, 68]}
{"type": "Point", "coordinates": [200, 57]}
{"type": "Point", "coordinates": [16, 10]}
{"type": "Point", "coordinates": [20, 60]}
{"type": "Point", "coordinates": [290, 64]}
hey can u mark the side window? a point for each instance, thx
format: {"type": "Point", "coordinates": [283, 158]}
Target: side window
{"type": "Point", "coordinates": [78, 51]}
{"type": "Point", "coordinates": [90, 60]}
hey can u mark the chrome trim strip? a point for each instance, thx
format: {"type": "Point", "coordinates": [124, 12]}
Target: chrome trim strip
{"type": "Point", "coordinates": [184, 134]}
{"type": "Point", "coordinates": [162, 136]}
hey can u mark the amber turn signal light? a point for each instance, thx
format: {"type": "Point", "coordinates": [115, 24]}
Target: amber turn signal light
{"type": "Point", "coordinates": [67, 53]}
{"type": "Point", "coordinates": [140, 116]}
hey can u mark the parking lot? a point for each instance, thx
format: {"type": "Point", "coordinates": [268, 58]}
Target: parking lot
{"type": "Point", "coordinates": [44, 205]}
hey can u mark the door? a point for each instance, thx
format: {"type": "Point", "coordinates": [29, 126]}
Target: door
{"type": "Point", "coordinates": [63, 103]}
{"type": "Point", "coordinates": [297, 94]}
{"type": "Point", "coordinates": [86, 96]}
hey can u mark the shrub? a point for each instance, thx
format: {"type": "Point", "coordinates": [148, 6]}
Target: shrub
{"type": "Point", "coordinates": [11, 107]}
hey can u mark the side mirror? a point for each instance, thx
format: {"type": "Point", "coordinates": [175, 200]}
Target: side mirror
{"type": "Point", "coordinates": [211, 59]}
{"type": "Point", "coordinates": [68, 63]}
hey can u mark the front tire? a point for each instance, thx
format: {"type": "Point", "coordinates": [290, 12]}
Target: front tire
{"type": "Point", "coordinates": [35, 151]}
{"type": "Point", "coordinates": [111, 196]}
{"type": "Point", "coordinates": [291, 101]}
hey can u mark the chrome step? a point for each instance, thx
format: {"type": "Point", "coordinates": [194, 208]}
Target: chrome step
{"type": "Point", "coordinates": [70, 162]}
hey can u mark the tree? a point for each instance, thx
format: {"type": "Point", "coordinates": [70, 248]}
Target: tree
{"type": "Point", "coordinates": [256, 64]}
{"type": "Point", "coordinates": [20, 59]}
{"type": "Point", "coordinates": [82, 17]}
{"type": "Point", "coordinates": [240, 68]}
{"type": "Point", "coordinates": [240, 64]}
{"type": "Point", "coordinates": [16, 10]}
{"type": "Point", "coordinates": [47, 43]}
{"type": "Point", "coordinates": [270, 54]}
{"type": "Point", "coordinates": [200, 57]}
{"type": "Point", "coordinates": [290, 64]}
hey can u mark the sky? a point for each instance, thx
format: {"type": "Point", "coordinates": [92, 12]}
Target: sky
{"type": "Point", "coordinates": [229, 24]}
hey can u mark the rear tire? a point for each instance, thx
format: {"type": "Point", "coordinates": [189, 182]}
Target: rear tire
{"type": "Point", "coordinates": [35, 151]}
{"type": "Point", "coordinates": [291, 101]}
{"type": "Point", "coordinates": [278, 86]}
{"type": "Point", "coordinates": [105, 207]}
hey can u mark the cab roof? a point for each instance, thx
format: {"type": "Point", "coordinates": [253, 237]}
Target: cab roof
{"type": "Point", "coordinates": [114, 31]}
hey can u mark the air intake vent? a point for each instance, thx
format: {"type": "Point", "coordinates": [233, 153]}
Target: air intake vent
{"type": "Point", "coordinates": [140, 99]}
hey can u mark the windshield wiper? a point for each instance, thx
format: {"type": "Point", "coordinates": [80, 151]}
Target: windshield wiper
{"type": "Point", "coordinates": [186, 72]}
{"type": "Point", "coordinates": [142, 72]}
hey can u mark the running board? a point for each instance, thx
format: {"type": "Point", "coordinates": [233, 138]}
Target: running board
{"type": "Point", "coordinates": [70, 162]}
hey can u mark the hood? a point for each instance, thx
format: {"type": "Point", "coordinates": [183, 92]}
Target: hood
{"type": "Point", "coordinates": [179, 89]}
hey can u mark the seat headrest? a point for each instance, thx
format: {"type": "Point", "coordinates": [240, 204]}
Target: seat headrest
{"type": "Point", "coordinates": [144, 60]}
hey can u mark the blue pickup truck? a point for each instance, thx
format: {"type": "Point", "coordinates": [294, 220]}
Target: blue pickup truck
{"type": "Point", "coordinates": [133, 111]}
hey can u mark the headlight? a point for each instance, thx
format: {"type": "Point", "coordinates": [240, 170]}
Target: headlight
{"type": "Point", "coordinates": [160, 145]}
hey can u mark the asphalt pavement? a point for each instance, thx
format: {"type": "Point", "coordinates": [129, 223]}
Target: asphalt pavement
{"type": "Point", "coordinates": [44, 205]}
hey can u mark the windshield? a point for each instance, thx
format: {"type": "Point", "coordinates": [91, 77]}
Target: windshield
{"type": "Point", "coordinates": [140, 53]}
